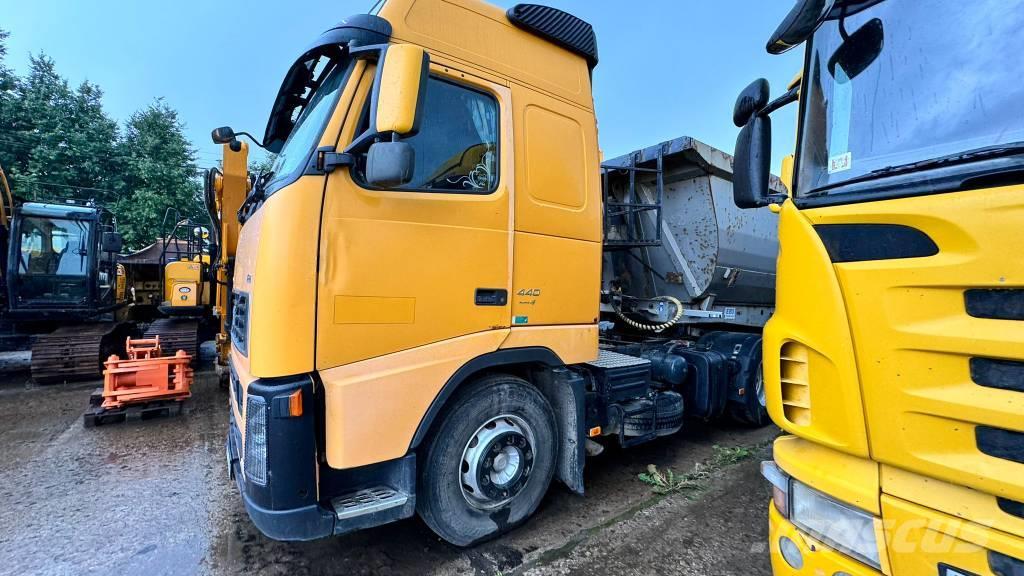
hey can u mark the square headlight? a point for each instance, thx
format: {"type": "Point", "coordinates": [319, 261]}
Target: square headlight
{"type": "Point", "coordinates": [838, 525]}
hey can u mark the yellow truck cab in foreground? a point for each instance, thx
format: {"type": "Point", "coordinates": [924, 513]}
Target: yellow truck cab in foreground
{"type": "Point", "coordinates": [895, 358]}
{"type": "Point", "coordinates": [440, 298]}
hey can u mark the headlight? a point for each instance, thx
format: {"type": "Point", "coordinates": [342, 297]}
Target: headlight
{"type": "Point", "coordinates": [846, 529]}
{"type": "Point", "coordinates": [255, 460]}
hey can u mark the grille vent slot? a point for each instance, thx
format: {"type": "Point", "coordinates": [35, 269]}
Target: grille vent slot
{"type": "Point", "coordinates": [796, 388]}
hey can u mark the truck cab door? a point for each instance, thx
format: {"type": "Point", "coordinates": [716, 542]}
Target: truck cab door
{"type": "Point", "coordinates": [428, 261]}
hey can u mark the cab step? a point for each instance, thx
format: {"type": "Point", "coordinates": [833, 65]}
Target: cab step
{"type": "Point", "coordinates": [368, 501]}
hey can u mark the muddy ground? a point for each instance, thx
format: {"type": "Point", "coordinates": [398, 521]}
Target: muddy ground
{"type": "Point", "coordinates": [153, 498]}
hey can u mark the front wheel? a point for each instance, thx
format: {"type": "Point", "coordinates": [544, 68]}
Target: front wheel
{"type": "Point", "coordinates": [490, 461]}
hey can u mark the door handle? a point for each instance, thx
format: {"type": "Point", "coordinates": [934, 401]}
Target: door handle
{"type": "Point", "coordinates": [491, 297]}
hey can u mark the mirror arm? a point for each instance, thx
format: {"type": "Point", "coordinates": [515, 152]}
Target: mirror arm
{"type": "Point", "coordinates": [327, 159]}
{"type": "Point", "coordinates": [791, 95]}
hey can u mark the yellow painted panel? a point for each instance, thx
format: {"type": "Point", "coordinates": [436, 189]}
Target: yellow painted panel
{"type": "Point", "coordinates": [810, 311]}
{"type": "Point", "coordinates": [556, 170]}
{"type": "Point", "coordinates": [555, 281]}
{"type": "Point", "coordinates": [847, 478]}
{"type": "Point", "coordinates": [920, 539]}
{"type": "Point", "coordinates": [282, 283]}
{"type": "Point", "coordinates": [434, 248]}
{"type": "Point", "coordinates": [399, 88]}
{"type": "Point", "coordinates": [373, 407]}
{"type": "Point", "coordinates": [572, 344]}
{"type": "Point", "coordinates": [480, 33]}
{"type": "Point", "coordinates": [374, 310]}
{"type": "Point", "coordinates": [915, 339]}
{"type": "Point", "coordinates": [951, 499]}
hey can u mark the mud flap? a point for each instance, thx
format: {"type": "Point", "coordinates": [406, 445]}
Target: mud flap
{"type": "Point", "coordinates": [565, 391]}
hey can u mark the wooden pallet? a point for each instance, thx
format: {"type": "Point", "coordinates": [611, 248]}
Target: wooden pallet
{"type": "Point", "coordinates": [96, 415]}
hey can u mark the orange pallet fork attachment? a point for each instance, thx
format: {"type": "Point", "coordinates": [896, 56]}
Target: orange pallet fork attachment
{"type": "Point", "coordinates": [146, 375]}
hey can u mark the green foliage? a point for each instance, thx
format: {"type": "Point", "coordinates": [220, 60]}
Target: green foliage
{"type": "Point", "coordinates": [667, 481]}
{"type": "Point", "coordinates": [57, 142]}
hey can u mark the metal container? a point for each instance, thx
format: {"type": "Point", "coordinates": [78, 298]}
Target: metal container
{"type": "Point", "coordinates": [672, 229]}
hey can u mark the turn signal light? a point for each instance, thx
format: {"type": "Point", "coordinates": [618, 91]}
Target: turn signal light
{"type": "Point", "coordinates": [295, 404]}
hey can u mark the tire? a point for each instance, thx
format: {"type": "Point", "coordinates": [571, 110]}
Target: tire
{"type": "Point", "coordinates": [669, 406]}
{"type": "Point", "coordinates": [752, 411]}
{"type": "Point", "coordinates": [496, 411]}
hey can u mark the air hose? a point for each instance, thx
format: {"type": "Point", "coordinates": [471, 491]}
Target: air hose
{"type": "Point", "coordinates": [655, 327]}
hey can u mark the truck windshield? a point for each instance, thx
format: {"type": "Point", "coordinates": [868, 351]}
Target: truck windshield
{"type": "Point", "coordinates": [945, 84]}
{"type": "Point", "coordinates": [310, 123]}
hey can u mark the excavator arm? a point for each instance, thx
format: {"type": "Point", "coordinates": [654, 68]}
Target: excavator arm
{"type": "Point", "coordinates": [226, 190]}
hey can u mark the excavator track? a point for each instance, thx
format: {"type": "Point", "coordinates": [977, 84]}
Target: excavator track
{"type": "Point", "coordinates": [176, 335]}
{"type": "Point", "coordinates": [77, 352]}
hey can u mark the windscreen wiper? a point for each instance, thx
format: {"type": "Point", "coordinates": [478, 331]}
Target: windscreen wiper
{"type": "Point", "coordinates": [986, 153]}
{"type": "Point", "coordinates": [255, 196]}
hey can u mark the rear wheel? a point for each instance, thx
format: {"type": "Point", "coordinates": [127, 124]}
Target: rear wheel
{"type": "Point", "coordinates": [753, 408]}
{"type": "Point", "coordinates": [490, 461]}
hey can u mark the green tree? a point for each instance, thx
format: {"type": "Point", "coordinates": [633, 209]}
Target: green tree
{"type": "Point", "coordinates": [158, 172]}
{"type": "Point", "coordinates": [8, 100]}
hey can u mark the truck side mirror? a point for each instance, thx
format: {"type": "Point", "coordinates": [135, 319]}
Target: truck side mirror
{"type": "Point", "coordinates": [390, 164]}
{"type": "Point", "coordinates": [111, 242]}
{"type": "Point", "coordinates": [750, 102]}
{"type": "Point", "coordinates": [400, 90]}
{"type": "Point", "coordinates": [222, 135]}
{"type": "Point", "coordinates": [750, 164]}
{"type": "Point", "coordinates": [399, 93]}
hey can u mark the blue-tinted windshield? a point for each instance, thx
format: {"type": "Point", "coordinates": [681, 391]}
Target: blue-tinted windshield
{"type": "Point", "coordinates": [947, 80]}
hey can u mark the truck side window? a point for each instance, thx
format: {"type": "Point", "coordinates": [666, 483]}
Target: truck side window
{"type": "Point", "coordinates": [457, 145]}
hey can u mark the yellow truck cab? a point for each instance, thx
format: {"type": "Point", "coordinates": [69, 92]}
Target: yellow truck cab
{"type": "Point", "coordinates": [440, 298]}
{"type": "Point", "coordinates": [895, 358]}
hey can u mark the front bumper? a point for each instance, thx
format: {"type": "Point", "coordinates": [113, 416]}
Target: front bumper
{"type": "Point", "coordinates": [818, 559]}
{"type": "Point", "coordinates": [308, 522]}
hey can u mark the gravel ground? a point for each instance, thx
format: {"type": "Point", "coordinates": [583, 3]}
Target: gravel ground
{"type": "Point", "coordinates": [153, 498]}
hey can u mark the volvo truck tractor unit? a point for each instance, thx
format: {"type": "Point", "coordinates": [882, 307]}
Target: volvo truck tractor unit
{"type": "Point", "coordinates": [895, 357]}
{"type": "Point", "coordinates": [440, 300]}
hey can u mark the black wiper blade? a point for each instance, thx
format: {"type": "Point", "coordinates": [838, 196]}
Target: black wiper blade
{"type": "Point", "coordinates": [985, 153]}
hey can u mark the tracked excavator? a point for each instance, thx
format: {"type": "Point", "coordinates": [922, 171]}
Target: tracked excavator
{"type": "Point", "coordinates": [188, 317]}
{"type": "Point", "coordinates": [63, 290]}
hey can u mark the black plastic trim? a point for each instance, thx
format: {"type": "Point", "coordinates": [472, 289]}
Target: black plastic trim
{"type": "Point", "coordinates": [490, 297]}
{"type": "Point", "coordinates": [1001, 374]}
{"type": "Point", "coordinates": [358, 30]}
{"type": "Point", "coordinates": [557, 26]}
{"type": "Point", "coordinates": [867, 242]}
{"type": "Point", "coordinates": [304, 522]}
{"type": "Point", "coordinates": [1003, 565]}
{"type": "Point", "coordinates": [996, 303]}
{"type": "Point", "coordinates": [947, 570]}
{"type": "Point", "coordinates": [1011, 507]}
{"type": "Point", "coordinates": [940, 180]}
{"type": "Point", "coordinates": [1000, 443]}
{"type": "Point", "coordinates": [496, 359]}
{"type": "Point", "coordinates": [291, 446]}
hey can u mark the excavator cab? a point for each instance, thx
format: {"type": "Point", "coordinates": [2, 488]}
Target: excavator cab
{"type": "Point", "coordinates": [62, 262]}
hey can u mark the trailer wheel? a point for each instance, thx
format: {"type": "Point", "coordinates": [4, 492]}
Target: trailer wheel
{"type": "Point", "coordinates": [753, 410]}
{"type": "Point", "coordinates": [490, 461]}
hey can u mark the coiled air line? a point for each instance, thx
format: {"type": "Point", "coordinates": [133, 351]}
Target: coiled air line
{"type": "Point", "coordinates": [655, 327]}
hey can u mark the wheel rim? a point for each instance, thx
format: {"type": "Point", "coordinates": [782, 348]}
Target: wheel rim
{"type": "Point", "coordinates": [497, 462]}
{"type": "Point", "coordinates": [759, 386]}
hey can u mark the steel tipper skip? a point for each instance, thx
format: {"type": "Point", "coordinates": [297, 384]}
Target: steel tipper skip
{"type": "Point", "coordinates": [440, 299]}
{"type": "Point", "coordinates": [895, 358]}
